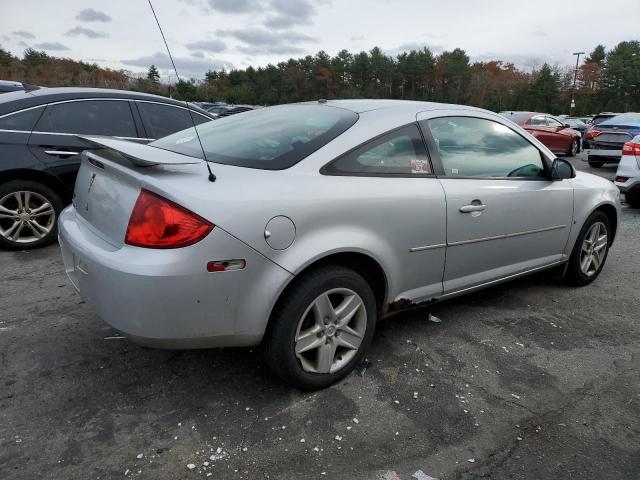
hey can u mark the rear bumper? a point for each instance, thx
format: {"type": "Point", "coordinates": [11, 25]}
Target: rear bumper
{"type": "Point", "coordinates": [610, 155]}
{"type": "Point", "coordinates": [166, 298]}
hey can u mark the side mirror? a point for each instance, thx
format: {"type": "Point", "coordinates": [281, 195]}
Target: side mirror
{"type": "Point", "coordinates": [566, 125]}
{"type": "Point", "coordinates": [561, 169]}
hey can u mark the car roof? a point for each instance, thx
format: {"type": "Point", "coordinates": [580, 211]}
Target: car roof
{"type": "Point", "coordinates": [410, 106]}
{"type": "Point", "coordinates": [13, 101]}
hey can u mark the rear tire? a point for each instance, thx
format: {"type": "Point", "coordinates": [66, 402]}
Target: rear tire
{"type": "Point", "coordinates": [582, 268]}
{"type": "Point", "coordinates": [303, 334]}
{"type": "Point", "coordinates": [28, 214]}
{"type": "Point", "coordinates": [595, 163]}
{"type": "Point", "coordinates": [632, 199]}
{"type": "Point", "coordinates": [573, 148]}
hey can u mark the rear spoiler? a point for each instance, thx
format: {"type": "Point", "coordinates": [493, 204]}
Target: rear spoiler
{"type": "Point", "coordinates": [139, 154]}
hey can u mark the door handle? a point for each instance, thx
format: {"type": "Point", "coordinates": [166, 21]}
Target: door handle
{"type": "Point", "coordinates": [60, 153]}
{"type": "Point", "coordinates": [474, 207]}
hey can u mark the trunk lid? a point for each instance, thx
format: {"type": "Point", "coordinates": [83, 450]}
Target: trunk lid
{"type": "Point", "coordinates": [110, 179]}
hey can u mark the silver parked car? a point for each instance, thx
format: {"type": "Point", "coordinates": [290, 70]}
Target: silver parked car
{"type": "Point", "coordinates": [319, 219]}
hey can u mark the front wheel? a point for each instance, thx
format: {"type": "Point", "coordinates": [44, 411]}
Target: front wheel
{"type": "Point", "coordinates": [321, 328]}
{"type": "Point", "coordinates": [573, 149]}
{"type": "Point", "coordinates": [28, 214]}
{"type": "Point", "coordinates": [590, 250]}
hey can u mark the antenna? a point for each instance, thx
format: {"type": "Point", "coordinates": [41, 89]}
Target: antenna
{"type": "Point", "coordinates": [212, 177]}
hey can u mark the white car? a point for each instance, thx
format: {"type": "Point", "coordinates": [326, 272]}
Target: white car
{"type": "Point", "coordinates": [628, 174]}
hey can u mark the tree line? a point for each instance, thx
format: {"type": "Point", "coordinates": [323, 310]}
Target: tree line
{"type": "Point", "coordinates": [606, 80]}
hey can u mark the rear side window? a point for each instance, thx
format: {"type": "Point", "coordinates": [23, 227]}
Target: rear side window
{"type": "Point", "coordinates": [268, 138]}
{"type": "Point", "coordinates": [24, 120]}
{"type": "Point", "coordinates": [162, 120]}
{"type": "Point", "coordinates": [400, 152]}
{"type": "Point", "coordinates": [475, 147]}
{"type": "Point", "coordinates": [538, 121]}
{"type": "Point", "coordinates": [89, 117]}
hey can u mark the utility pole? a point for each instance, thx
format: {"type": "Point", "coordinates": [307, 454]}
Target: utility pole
{"type": "Point", "coordinates": [575, 77]}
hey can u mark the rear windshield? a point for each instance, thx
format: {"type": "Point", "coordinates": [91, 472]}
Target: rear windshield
{"type": "Point", "coordinates": [269, 138]}
{"type": "Point", "coordinates": [598, 119]}
{"type": "Point", "coordinates": [624, 118]}
{"type": "Point", "coordinates": [516, 117]}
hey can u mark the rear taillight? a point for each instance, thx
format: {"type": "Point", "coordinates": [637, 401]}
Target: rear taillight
{"type": "Point", "coordinates": [622, 179]}
{"type": "Point", "coordinates": [592, 133]}
{"type": "Point", "coordinates": [159, 223]}
{"type": "Point", "coordinates": [631, 148]}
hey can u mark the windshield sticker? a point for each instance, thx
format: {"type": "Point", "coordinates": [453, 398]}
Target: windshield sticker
{"type": "Point", "coordinates": [419, 166]}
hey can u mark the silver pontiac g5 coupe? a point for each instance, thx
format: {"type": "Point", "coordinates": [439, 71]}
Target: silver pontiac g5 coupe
{"type": "Point", "coordinates": [319, 219]}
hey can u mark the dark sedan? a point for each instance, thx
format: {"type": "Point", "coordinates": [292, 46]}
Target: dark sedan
{"type": "Point", "coordinates": [604, 141]}
{"type": "Point", "coordinates": [39, 148]}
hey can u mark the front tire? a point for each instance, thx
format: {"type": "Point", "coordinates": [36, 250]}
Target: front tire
{"type": "Point", "coordinates": [321, 328]}
{"type": "Point", "coordinates": [28, 214]}
{"type": "Point", "coordinates": [573, 148]}
{"type": "Point", "coordinates": [590, 250]}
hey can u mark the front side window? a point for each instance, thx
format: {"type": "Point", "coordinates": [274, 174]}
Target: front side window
{"type": "Point", "coordinates": [268, 138]}
{"type": "Point", "coordinates": [475, 147]}
{"type": "Point", "coordinates": [89, 117]}
{"type": "Point", "coordinates": [162, 120]}
{"type": "Point", "coordinates": [400, 152]}
{"type": "Point", "coordinates": [24, 120]}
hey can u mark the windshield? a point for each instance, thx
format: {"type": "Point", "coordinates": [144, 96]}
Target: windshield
{"type": "Point", "coordinates": [270, 138]}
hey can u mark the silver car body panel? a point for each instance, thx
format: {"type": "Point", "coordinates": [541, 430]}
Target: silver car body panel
{"type": "Point", "coordinates": [410, 226]}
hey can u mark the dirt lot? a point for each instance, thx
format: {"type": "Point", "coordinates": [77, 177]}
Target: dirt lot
{"type": "Point", "coordinates": [531, 380]}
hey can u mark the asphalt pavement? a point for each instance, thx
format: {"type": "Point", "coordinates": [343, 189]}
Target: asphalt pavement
{"type": "Point", "coordinates": [528, 380]}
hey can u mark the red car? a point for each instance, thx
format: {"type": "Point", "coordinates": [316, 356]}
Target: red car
{"type": "Point", "coordinates": [557, 136]}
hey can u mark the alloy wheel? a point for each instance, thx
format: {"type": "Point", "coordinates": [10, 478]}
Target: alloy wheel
{"type": "Point", "coordinates": [574, 148]}
{"type": "Point", "coordinates": [594, 249]}
{"type": "Point", "coordinates": [26, 217]}
{"type": "Point", "coordinates": [331, 330]}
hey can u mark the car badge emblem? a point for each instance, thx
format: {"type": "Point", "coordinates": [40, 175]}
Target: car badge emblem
{"type": "Point", "coordinates": [93, 179]}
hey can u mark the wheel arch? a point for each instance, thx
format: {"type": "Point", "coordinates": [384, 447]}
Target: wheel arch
{"type": "Point", "coordinates": [37, 176]}
{"type": "Point", "coordinates": [365, 265]}
{"type": "Point", "coordinates": [612, 214]}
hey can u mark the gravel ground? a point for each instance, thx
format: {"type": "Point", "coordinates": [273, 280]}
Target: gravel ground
{"type": "Point", "coordinates": [529, 380]}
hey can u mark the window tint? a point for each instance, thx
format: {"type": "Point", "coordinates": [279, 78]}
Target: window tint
{"type": "Point", "coordinates": [538, 121]}
{"type": "Point", "coordinates": [162, 120]}
{"type": "Point", "coordinates": [552, 122]}
{"type": "Point", "coordinates": [24, 120]}
{"type": "Point", "coordinates": [89, 117]}
{"type": "Point", "coordinates": [269, 138]}
{"type": "Point", "coordinates": [399, 152]}
{"type": "Point", "coordinates": [474, 147]}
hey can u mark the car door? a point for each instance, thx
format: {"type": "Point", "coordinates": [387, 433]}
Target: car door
{"type": "Point", "coordinates": [504, 216]}
{"type": "Point", "coordinates": [162, 119]}
{"type": "Point", "coordinates": [54, 138]}
{"type": "Point", "coordinates": [391, 184]}
{"type": "Point", "coordinates": [537, 126]}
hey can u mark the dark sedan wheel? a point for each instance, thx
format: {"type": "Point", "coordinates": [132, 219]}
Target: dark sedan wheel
{"type": "Point", "coordinates": [28, 214]}
{"type": "Point", "coordinates": [595, 163]}
{"type": "Point", "coordinates": [632, 199]}
{"type": "Point", "coordinates": [321, 328]}
{"type": "Point", "coordinates": [573, 149]}
{"type": "Point", "coordinates": [590, 250]}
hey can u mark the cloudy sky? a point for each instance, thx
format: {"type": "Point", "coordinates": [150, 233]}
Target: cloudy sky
{"type": "Point", "coordinates": [214, 34]}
